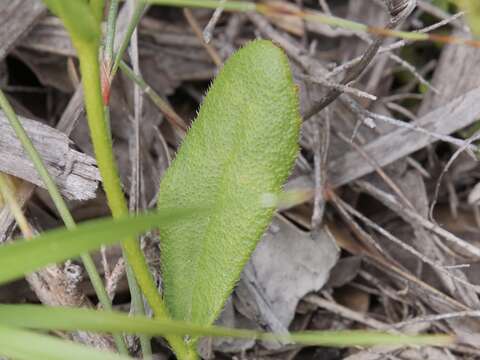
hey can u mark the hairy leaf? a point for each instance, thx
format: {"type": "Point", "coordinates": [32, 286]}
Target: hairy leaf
{"type": "Point", "coordinates": [24, 256]}
{"type": "Point", "coordinates": [240, 149]}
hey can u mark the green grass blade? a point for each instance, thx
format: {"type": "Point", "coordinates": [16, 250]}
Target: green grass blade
{"type": "Point", "coordinates": [132, 25]}
{"type": "Point", "coordinates": [209, 4]}
{"type": "Point", "coordinates": [111, 31]}
{"type": "Point", "coordinates": [241, 146]}
{"type": "Point", "coordinates": [27, 345]}
{"type": "Point", "coordinates": [25, 256]}
{"type": "Point", "coordinates": [60, 204]}
{"type": "Point", "coordinates": [69, 319]}
{"type": "Point", "coordinates": [87, 42]}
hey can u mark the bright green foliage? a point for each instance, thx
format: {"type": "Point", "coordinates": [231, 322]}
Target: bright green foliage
{"type": "Point", "coordinates": [208, 4]}
{"type": "Point", "coordinates": [472, 7]}
{"type": "Point", "coordinates": [78, 18]}
{"type": "Point", "coordinates": [240, 148]}
{"type": "Point", "coordinates": [97, 7]}
{"type": "Point", "coordinates": [40, 317]}
{"type": "Point", "coordinates": [24, 256]}
{"type": "Point", "coordinates": [27, 345]}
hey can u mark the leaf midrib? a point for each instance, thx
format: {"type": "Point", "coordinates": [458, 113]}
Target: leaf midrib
{"type": "Point", "coordinates": [221, 186]}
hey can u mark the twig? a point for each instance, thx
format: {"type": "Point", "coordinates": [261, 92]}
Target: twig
{"type": "Point", "coordinates": [208, 31]}
{"type": "Point", "coordinates": [370, 246]}
{"type": "Point", "coordinates": [401, 142]}
{"type": "Point", "coordinates": [343, 88]}
{"type": "Point", "coordinates": [414, 72]}
{"type": "Point", "coordinates": [378, 169]}
{"type": "Point", "coordinates": [457, 153]}
{"type": "Point", "coordinates": [217, 60]}
{"type": "Point", "coordinates": [440, 267]}
{"type": "Point", "coordinates": [396, 45]}
{"type": "Point", "coordinates": [438, 317]}
{"type": "Point", "coordinates": [390, 201]}
{"type": "Point", "coordinates": [348, 313]}
{"type": "Point", "coordinates": [321, 144]}
{"type": "Point", "coordinates": [411, 126]}
{"type": "Point", "coordinates": [354, 72]}
{"type": "Point", "coordinates": [164, 107]}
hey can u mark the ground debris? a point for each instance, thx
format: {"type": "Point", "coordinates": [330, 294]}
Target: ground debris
{"type": "Point", "coordinates": [385, 235]}
{"type": "Point", "coordinates": [75, 173]}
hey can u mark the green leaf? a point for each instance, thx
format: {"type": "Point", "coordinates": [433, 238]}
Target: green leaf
{"type": "Point", "coordinates": [68, 319]}
{"type": "Point", "coordinates": [208, 4]}
{"type": "Point", "coordinates": [240, 148]}
{"type": "Point", "coordinates": [97, 7]}
{"type": "Point", "coordinates": [78, 18]}
{"type": "Point", "coordinates": [472, 7]}
{"type": "Point", "coordinates": [27, 345]}
{"type": "Point", "coordinates": [24, 256]}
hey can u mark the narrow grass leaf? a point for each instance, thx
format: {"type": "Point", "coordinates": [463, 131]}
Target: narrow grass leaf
{"type": "Point", "coordinates": [209, 4]}
{"type": "Point", "coordinates": [28, 345]}
{"type": "Point", "coordinates": [241, 146]}
{"type": "Point", "coordinates": [24, 256]}
{"type": "Point", "coordinates": [68, 319]}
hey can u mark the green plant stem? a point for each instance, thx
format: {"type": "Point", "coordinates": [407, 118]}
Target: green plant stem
{"type": "Point", "coordinates": [102, 145]}
{"type": "Point", "coordinates": [135, 292]}
{"type": "Point", "coordinates": [137, 13]}
{"type": "Point", "coordinates": [61, 206]}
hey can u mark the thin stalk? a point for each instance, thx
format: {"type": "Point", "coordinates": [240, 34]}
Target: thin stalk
{"type": "Point", "coordinates": [102, 145]}
{"type": "Point", "coordinates": [135, 292]}
{"type": "Point", "coordinates": [37, 160]}
{"type": "Point", "coordinates": [242, 6]}
{"type": "Point", "coordinates": [164, 107]}
{"type": "Point", "coordinates": [137, 14]}
{"type": "Point", "coordinates": [217, 60]}
{"type": "Point", "coordinates": [7, 190]}
{"type": "Point", "coordinates": [134, 204]}
{"type": "Point", "coordinates": [61, 206]}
